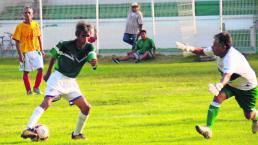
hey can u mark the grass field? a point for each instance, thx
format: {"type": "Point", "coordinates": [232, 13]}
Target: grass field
{"type": "Point", "coordinates": [156, 103]}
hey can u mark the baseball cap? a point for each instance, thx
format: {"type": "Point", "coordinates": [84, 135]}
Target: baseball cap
{"type": "Point", "coordinates": [135, 4]}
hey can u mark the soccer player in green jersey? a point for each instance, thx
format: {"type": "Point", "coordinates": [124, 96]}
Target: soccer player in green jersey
{"type": "Point", "coordinates": [145, 48]}
{"type": "Point", "coordinates": [70, 56]}
{"type": "Point", "coordinates": [237, 79]}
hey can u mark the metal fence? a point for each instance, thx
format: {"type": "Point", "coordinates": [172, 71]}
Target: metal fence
{"type": "Point", "coordinates": [166, 21]}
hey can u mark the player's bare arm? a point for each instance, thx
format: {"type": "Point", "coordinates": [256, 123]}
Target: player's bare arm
{"type": "Point", "coordinates": [225, 78]}
{"type": "Point", "coordinates": [93, 62]}
{"type": "Point", "coordinates": [51, 64]}
{"type": "Point", "coordinates": [140, 29]}
{"type": "Point", "coordinates": [40, 45]}
{"type": "Point", "coordinates": [217, 87]}
{"type": "Point", "coordinates": [198, 51]}
{"type": "Point", "coordinates": [17, 44]}
{"type": "Point", "coordinates": [188, 48]}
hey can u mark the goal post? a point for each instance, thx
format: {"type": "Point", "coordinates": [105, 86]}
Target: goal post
{"type": "Point", "coordinates": [166, 21]}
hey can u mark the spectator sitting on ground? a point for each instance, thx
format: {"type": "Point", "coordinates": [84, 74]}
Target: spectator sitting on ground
{"type": "Point", "coordinates": [145, 48]}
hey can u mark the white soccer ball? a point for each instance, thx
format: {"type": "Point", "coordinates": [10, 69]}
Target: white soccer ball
{"type": "Point", "coordinates": [42, 132]}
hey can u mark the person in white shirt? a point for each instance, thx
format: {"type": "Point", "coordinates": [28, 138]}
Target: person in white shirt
{"type": "Point", "coordinates": [133, 25]}
{"type": "Point", "coordinates": [238, 79]}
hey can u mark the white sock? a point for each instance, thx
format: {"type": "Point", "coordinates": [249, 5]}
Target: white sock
{"type": "Point", "coordinates": [80, 123]}
{"type": "Point", "coordinates": [35, 117]}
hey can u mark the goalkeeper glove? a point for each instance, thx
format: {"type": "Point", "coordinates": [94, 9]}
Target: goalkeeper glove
{"type": "Point", "coordinates": [184, 47]}
{"type": "Point", "coordinates": [215, 88]}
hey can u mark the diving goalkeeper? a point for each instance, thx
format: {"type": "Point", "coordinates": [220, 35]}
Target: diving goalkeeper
{"type": "Point", "coordinates": [237, 79]}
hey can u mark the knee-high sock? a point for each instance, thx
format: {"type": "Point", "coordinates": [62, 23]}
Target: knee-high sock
{"type": "Point", "coordinates": [35, 117]}
{"type": "Point", "coordinates": [38, 78]}
{"type": "Point", "coordinates": [80, 123]}
{"type": "Point", "coordinates": [212, 114]}
{"type": "Point", "coordinates": [26, 81]}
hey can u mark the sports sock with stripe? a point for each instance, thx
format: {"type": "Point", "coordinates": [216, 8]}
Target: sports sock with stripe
{"type": "Point", "coordinates": [38, 78]}
{"type": "Point", "coordinates": [212, 114]}
{"type": "Point", "coordinates": [26, 81]}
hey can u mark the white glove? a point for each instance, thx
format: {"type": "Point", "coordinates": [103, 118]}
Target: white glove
{"type": "Point", "coordinates": [184, 47]}
{"type": "Point", "coordinates": [215, 88]}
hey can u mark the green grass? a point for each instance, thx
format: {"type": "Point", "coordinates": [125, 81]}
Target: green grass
{"type": "Point", "coordinates": [156, 103]}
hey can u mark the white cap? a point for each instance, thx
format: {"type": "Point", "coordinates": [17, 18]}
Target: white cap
{"type": "Point", "coordinates": [135, 4]}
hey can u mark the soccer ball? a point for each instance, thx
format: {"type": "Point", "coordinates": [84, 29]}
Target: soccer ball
{"type": "Point", "coordinates": [42, 132]}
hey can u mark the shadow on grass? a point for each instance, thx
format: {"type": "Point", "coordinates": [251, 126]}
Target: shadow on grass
{"type": "Point", "coordinates": [11, 142]}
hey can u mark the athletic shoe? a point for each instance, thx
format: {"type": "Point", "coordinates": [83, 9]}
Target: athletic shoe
{"type": "Point", "coordinates": [79, 136]}
{"type": "Point", "coordinates": [37, 91]}
{"type": "Point", "coordinates": [204, 131]}
{"type": "Point", "coordinates": [28, 133]}
{"type": "Point", "coordinates": [254, 126]}
{"type": "Point", "coordinates": [137, 61]}
{"type": "Point", "coordinates": [29, 93]}
{"type": "Point", "coordinates": [115, 60]}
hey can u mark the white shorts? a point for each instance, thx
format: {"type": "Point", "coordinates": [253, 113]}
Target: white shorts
{"type": "Point", "coordinates": [32, 60]}
{"type": "Point", "coordinates": [61, 85]}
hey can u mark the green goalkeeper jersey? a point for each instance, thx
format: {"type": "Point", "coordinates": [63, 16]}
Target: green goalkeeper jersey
{"type": "Point", "coordinates": [70, 59]}
{"type": "Point", "coordinates": [144, 45]}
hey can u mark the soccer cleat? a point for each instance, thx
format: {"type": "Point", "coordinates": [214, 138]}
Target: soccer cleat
{"type": "Point", "coordinates": [37, 91]}
{"type": "Point", "coordinates": [254, 126]}
{"type": "Point", "coordinates": [79, 136]}
{"type": "Point", "coordinates": [204, 131]}
{"type": "Point", "coordinates": [29, 93]}
{"type": "Point", "coordinates": [115, 60]}
{"type": "Point", "coordinates": [29, 133]}
{"type": "Point", "coordinates": [137, 61]}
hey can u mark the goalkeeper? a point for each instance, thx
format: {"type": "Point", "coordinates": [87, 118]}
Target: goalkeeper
{"type": "Point", "coordinates": [70, 57]}
{"type": "Point", "coordinates": [238, 79]}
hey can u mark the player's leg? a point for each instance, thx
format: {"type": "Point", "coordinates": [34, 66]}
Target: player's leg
{"type": "Point", "coordinates": [213, 112]}
{"type": "Point", "coordinates": [84, 107]}
{"type": "Point", "coordinates": [28, 132]}
{"type": "Point", "coordinates": [26, 69]}
{"type": "Point", "coordinates": [125, 58]}
{"type": "Point", "coordinates": [134, 40]}
{"type": "Point", "coordinates": [252, 115]}
{"type": "Point", "coordinates": [26, 81]}
{"type": "Point", "coordinates": [38, 64]}
{"type": "Point", "coordinates": [38, 81]}
{"type": "Point", "coordinates": [247, 101]}
{"type": "Point", "coordinates": [51, 94]}
{"type": "Point", "coordinates": [145, 56]}
{"type": "Point", "coordinates": [75, 97]}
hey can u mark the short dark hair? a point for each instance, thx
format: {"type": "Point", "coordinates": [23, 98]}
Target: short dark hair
{"type": "Point", "coordinates": [224, 38]}
{"type": "Point", "coordinates": [82, 26]}
{"type": "Point", "coordinates": [27, 7]}
{"type": "Point", "coordinates": [143, 31]}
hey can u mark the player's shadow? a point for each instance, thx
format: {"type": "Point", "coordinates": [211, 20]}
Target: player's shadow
{"type": "Point", "coordinates": [12, 142]}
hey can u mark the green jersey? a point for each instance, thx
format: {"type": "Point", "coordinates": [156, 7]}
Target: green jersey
{"type": "Point", "coordinates": [144, 45]}
{"type": "Point", "coordinates": [70, 59]}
